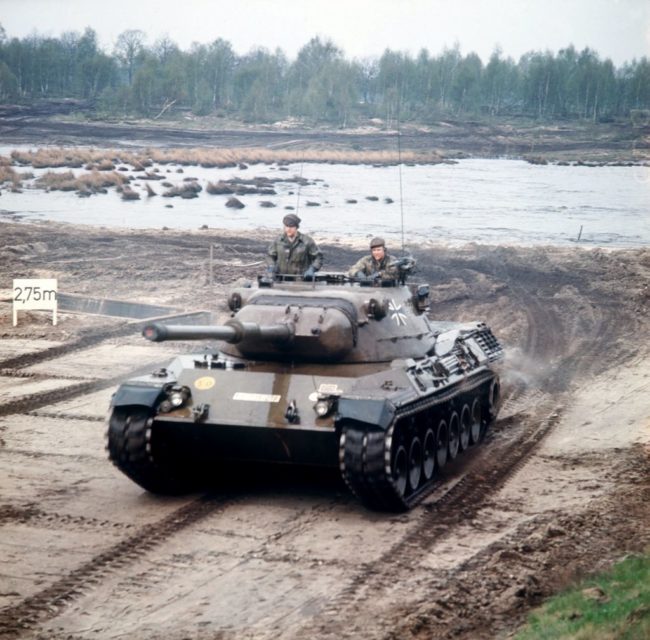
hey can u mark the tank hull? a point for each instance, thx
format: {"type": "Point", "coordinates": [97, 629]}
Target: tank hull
{"type": "Point", "coordinates": [388, 425]}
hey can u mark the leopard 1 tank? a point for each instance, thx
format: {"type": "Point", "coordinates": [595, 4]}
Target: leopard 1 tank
{"type": "Point", "coordinates": [337, 372]}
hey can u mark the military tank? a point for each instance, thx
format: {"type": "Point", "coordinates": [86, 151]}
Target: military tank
{"type": "Point", "coordinates": [336, 372]}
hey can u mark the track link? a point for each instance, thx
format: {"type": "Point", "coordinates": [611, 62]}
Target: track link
{"type": "Point", "coordinates": [134, 449]}
{"type": "Point", "coordinates": [394, 470]}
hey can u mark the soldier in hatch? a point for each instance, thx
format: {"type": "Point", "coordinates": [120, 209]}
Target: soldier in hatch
{"type": "Point", "coordinates": [294, 253]}
{"type": "Point", "coordinates": [376, 266]}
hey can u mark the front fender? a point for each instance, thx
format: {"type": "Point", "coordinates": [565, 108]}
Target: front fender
{"type": "Point", "coordinates": [139, 395]}
{"type": "Point", "coordinates": [378, 413]}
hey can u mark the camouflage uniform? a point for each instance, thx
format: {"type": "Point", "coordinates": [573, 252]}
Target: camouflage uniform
{"type": "Point", "coordinates": [294, 258]}
{"type": "Point", "coordinates": [368, 266]}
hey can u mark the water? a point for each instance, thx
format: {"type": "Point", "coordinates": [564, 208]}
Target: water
{"type": "Point", "coordinates": [488, 201]}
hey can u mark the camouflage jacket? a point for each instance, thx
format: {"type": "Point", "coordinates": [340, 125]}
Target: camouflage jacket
{"type": "Point", "coordinates": [368, 266]}
{"type": "Point", "coordinates": [295, 257]}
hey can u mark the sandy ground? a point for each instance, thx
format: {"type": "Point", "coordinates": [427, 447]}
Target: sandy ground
{"type": "Point", "coordinates": [560, 488]}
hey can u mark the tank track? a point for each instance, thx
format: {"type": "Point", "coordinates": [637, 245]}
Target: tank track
{"type": "Point", "coordinates": [134, 449]}
{"type": "Point", "coordinates": [393, 470]}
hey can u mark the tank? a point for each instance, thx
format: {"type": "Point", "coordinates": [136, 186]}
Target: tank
{"type": "Point", "coordinates": [352, 375]}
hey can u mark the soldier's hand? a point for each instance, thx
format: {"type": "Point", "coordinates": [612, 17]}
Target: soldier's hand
{"type": "Point", "coordinates": [365, 280]}
{"type": "Point", "coordinates": [309, 274]}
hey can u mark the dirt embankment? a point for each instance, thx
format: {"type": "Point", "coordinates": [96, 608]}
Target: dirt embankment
{"type": "Point", "coordinates": [560, 488]}
{"type": "Point", "coordinates": [562, 141]}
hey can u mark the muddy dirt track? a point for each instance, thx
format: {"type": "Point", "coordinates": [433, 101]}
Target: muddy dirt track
{"type": "Point", "coordinates": [560, 488]}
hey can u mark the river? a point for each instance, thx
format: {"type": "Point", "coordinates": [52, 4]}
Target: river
{"type": "Point", "coordinates": [491, 201]}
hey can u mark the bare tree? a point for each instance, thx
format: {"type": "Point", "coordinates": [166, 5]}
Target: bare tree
{"type": "Point", "coordinates": [164, 47]}
{"type": "Point", "coordinates": [129, 45]}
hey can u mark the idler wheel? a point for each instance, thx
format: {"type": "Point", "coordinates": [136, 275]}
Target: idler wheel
{"type": "Point", "coordinates": [475, 426]}
{"type": "Point", "coordinates": [454, 435]}
{"type": "Point", "coordinates": [399, 470]}
{"type": "Point", "coordinates": [442, 444]}
{"type": "Point", "coordinates": [415, 463]}
{"type": "Point", "coordinates": [465, 427]}
{"type": "Point", "coordinates": [429, 455]}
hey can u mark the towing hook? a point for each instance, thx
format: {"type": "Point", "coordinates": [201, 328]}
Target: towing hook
{"type": "Point", "coordinates": [291, 414]}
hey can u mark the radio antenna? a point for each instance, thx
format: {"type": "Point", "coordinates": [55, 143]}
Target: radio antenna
{"type": "Point", "coordinates": [302, 165]}
{"type": "Point", "coordinates": [399, 165]}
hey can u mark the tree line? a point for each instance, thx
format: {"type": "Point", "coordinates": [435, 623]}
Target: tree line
{"type": "Point", "coordinates": [320, 85]}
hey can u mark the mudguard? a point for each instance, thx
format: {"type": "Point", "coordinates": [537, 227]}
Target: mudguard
{"type": "Point", "coordinates": [378, 414]}
{"type": "Point", "coordinates": [136, 395]}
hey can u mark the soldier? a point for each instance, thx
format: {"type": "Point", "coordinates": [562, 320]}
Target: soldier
{"type": "Point", "coordinates": [377, 266]}
{"type": "Point", "coordinates": [294, 253]}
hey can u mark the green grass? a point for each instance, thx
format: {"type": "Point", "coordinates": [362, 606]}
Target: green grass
{"type": "Point", "coordinates": [614, 605]}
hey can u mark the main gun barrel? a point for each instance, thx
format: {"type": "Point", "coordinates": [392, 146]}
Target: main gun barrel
{"type": "Point", "coordinates": [233, 332]}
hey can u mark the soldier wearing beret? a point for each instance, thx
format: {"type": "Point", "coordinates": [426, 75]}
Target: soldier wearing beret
{"type": "Point", "coordinates": [294, 253]}
{"type": "Point", "coordinates": [376, 266]}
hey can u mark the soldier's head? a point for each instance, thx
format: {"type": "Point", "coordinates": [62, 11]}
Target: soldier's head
{"type": "Point", "coordinates": [291, 223]}
{"type": "Point", "coordinates": [378, 248]}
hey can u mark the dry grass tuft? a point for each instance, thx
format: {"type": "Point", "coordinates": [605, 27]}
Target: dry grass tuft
{"type": "Point", "coordinates": [93, 182]}
{"type": "Point", "coordinates": [239, 186]}
{"type": "Point", "coordinates": [220, 188]}
{"type": "Point", "coordinates": [57, 181]}
{"type": "Point", "coordinates": [129, 194]}
{"type": "Point", "coordinates": [108, 159]}
{"type": "Point", "coordinates": [187, 190]}
{"type": "Point", "coordinates": [103, 165]}
{"type": "Point", "coordinates": [8, 174]}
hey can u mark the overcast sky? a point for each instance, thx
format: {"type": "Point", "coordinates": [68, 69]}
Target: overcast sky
{"type": "Point", "coordinates": [616, 29]}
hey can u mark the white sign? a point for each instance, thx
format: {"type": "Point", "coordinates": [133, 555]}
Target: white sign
{"type": "Point", "coordinates": [35, 293]}
{"type": "Point", "coordinates": [256, 397]}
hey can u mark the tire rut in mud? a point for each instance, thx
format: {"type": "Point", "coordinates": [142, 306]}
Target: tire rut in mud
{"type": "Point", "coordinates": [464, 499]}
{"type": "Point", "coordinates": [28, 403]}
{"type": "Point", "coordinates": [90, 339]}
{"type": "Point", "coordinates": [50, 601]}
{"type": "Point", "coordinates": [33, 402]}
{"type": "Point", "coordinates": [490, 594]}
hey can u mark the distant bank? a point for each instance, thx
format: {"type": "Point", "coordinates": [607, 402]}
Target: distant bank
{"type": "Point", "coordinates": [62, 123]}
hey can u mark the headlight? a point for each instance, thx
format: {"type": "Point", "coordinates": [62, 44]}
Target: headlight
{"type": "Point", "coordinates": [323, 407]}
{"type": "Point", "coordinates": [177, 396]}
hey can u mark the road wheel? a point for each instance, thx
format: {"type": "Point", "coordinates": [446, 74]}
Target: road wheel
{"type": "Point", "coordinates": [429, 455]}
{"type": "Point", "coordinates": [399, 469]}
{"type": "Point", "coordinates": [476, 420]}
{"type": "Point", "coordinates": [442, 444]}
{"type": "Point", "coordinates": [415, 463]}
{"type": "Point", "coordinates": [454, 435]}
{"type": "Point", "coordinates": [465, 426]}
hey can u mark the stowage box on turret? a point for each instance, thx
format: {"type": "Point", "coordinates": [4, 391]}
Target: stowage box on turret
{"type": "Point", "coordinates": [331, 372]}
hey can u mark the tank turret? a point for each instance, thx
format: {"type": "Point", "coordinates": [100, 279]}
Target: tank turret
{"type": "Point", "coordinates": [335, 372]}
